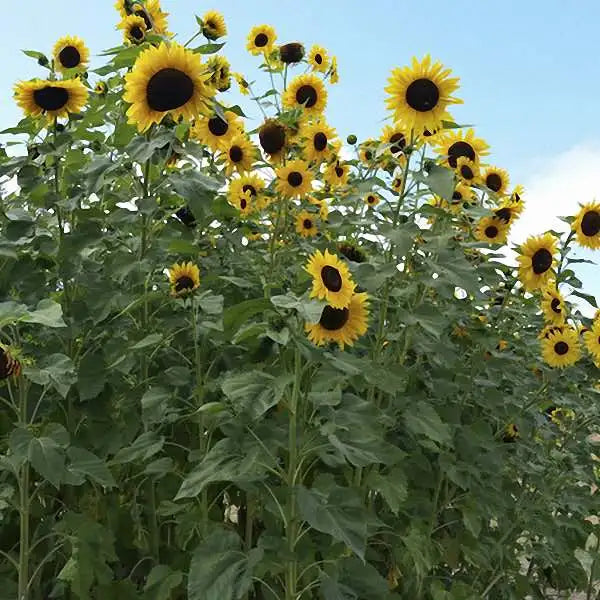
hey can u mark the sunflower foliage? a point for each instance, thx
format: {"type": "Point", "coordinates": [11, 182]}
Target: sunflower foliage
{"type": "Point", "coordinates": [242, 358]}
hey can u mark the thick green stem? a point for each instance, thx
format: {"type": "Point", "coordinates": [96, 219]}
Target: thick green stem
{"type": "Point", "coordinates": [24, 500]}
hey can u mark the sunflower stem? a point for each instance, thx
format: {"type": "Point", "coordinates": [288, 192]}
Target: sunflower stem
{"type": "Point", "coordinates": [24, 500]}
{"type": "Point", "coordinates": [198, 33]}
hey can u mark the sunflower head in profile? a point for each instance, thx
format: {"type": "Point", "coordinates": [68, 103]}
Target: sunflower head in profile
{"type": "Point", "coordinates": [261, 39]}
{"type": "Point", "coordinates": [553, 305]}
{"type": "Point", "coordinates": [239, 154]}
{"type": "Point", "coordinates": [153, 15]}
{"type": "Point", "coordinates": [419, 95]}
{"type": "Point", "coordinates": [561, 348]}
{"type": "Point", "coordinates": [536, 261]}
{"type": "Point", "coordinates": [101, 88]}
{"type": "Point", "coordinates": [371, 199]}
{"type": "Point", "coordinates": [467, 170]}
{"type": "Point", "coordinates": [70, 52]}
{"type": "Point", "coordinates": [306, 224]}
{"type": "Point", "coordinates": [220, 73]}
{"type": "Point", "coordinates": [9, 364]}
{"type": "Point", "coordinates": [491, 230]}
{"type": "Point", "coordinates": [510, 434]}
{"type": "Point", "coordinates": [294, 180]}
{"type": "Point", "coordinates": [352, 251]}
{"type": "Point", "coordinates": [250, 184]}
{"type": "Point", "coordinates": [323, 210]}
{"type": "Point", "coordinates": [214, 132]}
{"type": "Point", "coordinates": [592, 341]}
{"type": "Point", "coordinates": [306, 92]}
{"type": "Point", "coordinates": [167, 79]}
{"type": "Point", "coordinates": [318, 59]}
{"type": "Point", "coordinates": [123, 7]}
{"type": "Point", "coordinates": [508, 211]}
{"type": "Point", "coordinates": [184, 278]}
{"type": "Point", "coordinates": [54, 99]}
{"type": "Point", "coordinates": [587, 226]}
{"type": "Point", "coordinates": [213, 25]}
{"type": "Point", "coordinates": [495, 180]}
{"type": "Point", "coordinates": [318, 138]}
{"type": "Point", "coordinates": [454, 144]}
{"type": "Point", "coordinates": [341, 325]}
{"type": "Point", "coordinates": [396, 136]}
{"type": "Point", "coordinates": [243, 84]}
{"type": "Point", "coordinates": [516, 195]}
{"type": "Point", "coordinates": [291, 53]}
{"type": "Point", "coordinates": [331, 279]}
{"type": "Point", "coordinates": [336, 173]}
{"type": "Point", "coordinates": [462, 195]}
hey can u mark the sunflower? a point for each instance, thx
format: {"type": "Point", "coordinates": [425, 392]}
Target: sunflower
{"type": "Point", "coordinates": [419, 96]}
{"type": "Point", "coordinates": [55, 99]}
{"type": "Point", "coordinates": [517, 194]}
{"type": "Point", "coordinates": [395, 135]}
{"type": "Point", "coordinates": [492, 230]}
{"type": "Point", "coordinates": [273, 136]}
{"type": "Point", "coordinates": [371, 199]}
{"type": "Point", "coordinates": [508, 211]}
{"type": "Point", "coordinates": [334, 76]}
{"type": "Point", "coordinates": [184, 278]}
{"type": "Point", "coordinates": [536, 261]}
{"type": "Point", "coordinates": [592, 341]}
{"type": "Point", "coordinates": [331, 279]}
{"type": "Point", "coordinates": [261, 39]}
{"type": "Point", "coordinates": [215, 133]}
{"type": "Point", "coordinates": [467, 170]}
{"type": "Point", "coordinates": [341, 325]}
{"type": "Point", "coordinates": [251, 184]}
{"type": "Point", "coordinates": [213, 25]}
{"type": "Point", "coordinates": [547, 330]}
{"type": "Point", "coordinates": [294, 180]}
{"type": "Point", "coordinates": [587, 226]}
{"type": "Point", "coordinates": [561, 348]}
{"type": "Point", "coordinates": [317, 138]}
{"type": "Point", "coordinates": [291, 54]}
{"type": "Point", "coordinates": [123, 7]}
{"type": "Point", "coordinates": [306, 92]}
{"type": "Point", "coordinates": [462, 193]}
{"type": "Point", "coordinates": [220, 73]}
{"type": "Point", "coordinates": [243, 85]}
{"type": "Point", "coordinates": [553, 305]}
{"type": "Point", "coordinates": [8, 364]}
{"type": "Point", "coordinates": [454, 144]}
{"type": "Point", "coordinates": [154, 17]}
{"type": "Point", "coordinates": [167, 79]}
{"type": "Point", "coordinates": [240, 154]}
{"type": "Point", "coordinates": [367, 151]}
{"type": "Point", "coordinates": [70, 52]}
{"type": "Point", "coordinates": [305, 224]}
{"type": "Point", "coordinates": [134, 29]}
{"type": "Point", "coordinates": [352, 252]}
{"type": "Point", "coordinates": [510, 433]}
{"type": "Point", "coordinates": [495, 179]}
{"type": "Point", "coordinates": [336, 174]}
{"type": "Point", "coordinates": [245, 203]}
{"type": "Point", "coordinates": [318, 59]}
{"type": "Point", "coordinates": [323, 210]}
{"type": "Point", "coordinates": [101, 88]}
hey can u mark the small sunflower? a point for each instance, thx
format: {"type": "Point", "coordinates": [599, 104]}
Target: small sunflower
{"type": "Point", "coordinates": [153, 15]}
{"type": "Point", "coordinates": [249, 183]}
{"type": "Point", "coordinates": [273, 136]}
{"type": "Point", "coordinates": [331, 279]}
{"type": "Point", "coordinates": [372, 200]}
{"type": "Point", "coordinates": [352, 252]}
{"type": "Point", "coordinates": [536, 261]}
{"type": "Point", "coordinates": [508, 211]}
{"type": "Point", "coordinates": [220, 73]}
{"type": "Point", "coordinates": [462, 193]}
{"type": "Point", "coordinates": [261, 39]}
{"type": "Point", "coordinates": [243, 85]}
{"type": "Point", "coordinates": [213, 25]}
{"type": "Point", "coordinates": [55, 99]}
{"type": "Point", "coordinates": [306, 92]}
{"type": "Point", "coordinates": [517, 194]}
{"type": "Point", "coordinates": [306, 224]}
{"type": "Point", "coordinates": [553, 305]}
{"type": "Point", "coordinates": [323, 210]}
{"type": "Point", "coordinates": [492, 230]}
{"type": "Point", "coordinates": [244, 202]}
{"type": "Point", "coordinates": [317, 139]}
{"type": "Point", "coordinates": [561, 348]}
{"type": "Point", "coordinates": [240, 154]}
{"type": "Point", "coordinates": [101, 88]}
{"type": "Point", "coordinates": [123, 7]}
{"type": "Point", "coordinates": [215, 133]}
{"type": "Point", "coordinates": [134, 29]}
{"type": "Point", "coordinates": [70, 52]}
{"type": "Point", "coordinates": [9, 365]}
{"type": "Point", "coordinates": [419, 95]}
{"type": "Point", "coordinates": [587, 226]}
{"type": "Point", "coordinates": [395, 135]}
{"type": "Point", "coordinates": [495, 179]}
{"type": "Point", "coordinates": [184, 278]}
{"type": "Point", "coordinates": [367, 152]}
{"type": "Point", "coordinates": [294, 180]}
{"type": "Point", "coordinates": [318, 59]}
{"type": "Point", "coordinates": [547, 330]}
{"type": "Point", "coordinates": [334, 76]}
{"type": "Point", "coordinates": [454, 144]}
{"type": "Point", "coordinates": [467, 170]}
{"type": "Point", "coordinates": [510, 433]}
{"type": "Point", "coordinates": [167, 79]}
{"type": "Point", "coordinates": [592, 341]}
{"type": "Point", "coordinates": [336, 174]}
{"type": "Point", "coordinates": [341, 325]}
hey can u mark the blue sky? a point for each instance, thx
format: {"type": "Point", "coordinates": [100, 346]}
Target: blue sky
{"type": "Point", "coordinates": [528, 69]}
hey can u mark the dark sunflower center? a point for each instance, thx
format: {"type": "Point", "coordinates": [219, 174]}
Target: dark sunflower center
{"type": "Point", "coordinates": [422, 95]}
{"type": "Point", "coordinates": [493, 181]}
{"type": "Point", "coordinates": [69, 57]}
{"type": "Point", "coordinates": [467, 172]}
{"type": "Point", "coordinates": [333, 319]}
{"type": "Point", "coordinates": [491, 231]}
{"type": "Point", "coordinates": [459, 149]}
{"type": "Point", "coordinates": [184, 283]}
{"type": "Point", "coordinates": [217, 126]}
{"type": "Point", "coordinates": [331, 278]}
{"type": "Point", "coordinates": [368, 154]}
{"type": "Point", "coordinates": [169, 89]}
{"type": "Point", "coordinates": [456, 196]}
{"type": "Point", "coordinates": [261, 40]}
{"type": "Point", "coordinates": [249, 188]}
{"type": "Point", "coordinates": [136, 32]}
{"type": "Point", "coordinates": [504, 214]}
{"type": "Point", "coordinates": [142, 13]}
{"type": "Point", "coordinates": [590, 224]}
{"type": "Point", "coordinates": [211, 25]}
{"type": "Point", "coordinates": [320, 141]}
{"type": "Point", "coordinates": [541, 261]}
{"type": "Point", "coordinates": [307, 223]}
{"type": "Point", "coordinates": [399, 142]}
{"type": "Point", "coordinates": [339, 171]}
{"type": "Point", "coordinates": [371, 199]}
{"type": "Point", "coordinates": [307, 95]}
{"type": "Point", "coordinates": [236, 154]}
{"type": "Point", "coordinates": [243, 203]}
{"type": "Point", "coordinates": [318, 59]}
{"type": "Point", "coordinates": [295, 179]}
{"type": "Point", "coordinates": [561, 348]}
{"type": "Point", "coordinates": [555, 305]}
{"type": "Point", "coordinates": [51, 97]}
{"type": "Point", "coordinates": [272, 137]}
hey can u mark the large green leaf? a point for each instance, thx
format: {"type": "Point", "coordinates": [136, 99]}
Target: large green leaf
{"type": "Point", "coordinates": [86, 464]}
{"type": "Point", "coordinates": [161, 582]}
{"type": "Point", "coordinates": [48, 459]}
{"type": "Point", "coordinates": [92, 375]}
{"type": "Point", "coordinates": [47, 313]}
{"type": "Point", "coordinates": [143, 448]}
{"type": "Point", "coordinates": [422, 419]}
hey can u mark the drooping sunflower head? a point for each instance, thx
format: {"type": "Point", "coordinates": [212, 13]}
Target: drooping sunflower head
{"type": "Point", "coordinates": [331, 279]}
{"type": "Point", "coordinates": [337, 173]}
{"type": "Point", "coordinates": [372, 199]}
{"type": "Point", "coordinates": [214, 132]}
{"type": "Point", "coordinates": [334, 76]}
{"type": "Point", "coordinates": [220, 73]}
{"type": "Point", "coordinates": [495, 179]}
{"type": "Point", "coordinates": [492, 230]}
{"type": "Point", "coordinates": [561, 348]}
{"type": "Point", "coordinates": [55, 99]}
{"type": "Point", "coordinates": [318, 59]}
{"type": "Point", "coordinates": [306, 224]}
{"type": "Point", "coordinates": [341, 325]}
{"type": "Point", "coordinates": [213, 25]}
{"type": "Point", "coordinates": [9, 364]}
{"type": "Point", "coordinates": [587, 226]}
{"type": "Point", "coordinates": [240, 154]}
{"type": "Point", "coordinates": [537, 261]}
{"type": "Point", "coordinates": [294, 180]}
{"type": "Point", "coordinates": [306, 92]}
{"type": "Point", "coordinates": [291, 53]}
{"type": "Point", "coordinates": [467, 170]}
{"type": "Point", "coordinates": [184, 278]}
{"type": "Point", "coordinates": [167, 79]}
{"type": "Point", "coordinates": [395, 135]}
{"type": "Point", "coordinates": [318, 137]}
{"type": "Point", "coordinates": [419, 95]}
{"type": "Point", "coordinates": [70, 52]}
{"type": "Point", "coordinates": [243, 85]}
{"type": "Point", "coordinates": [272, 137]}
{"type": "Point", "coordinates": [508, 211]}
{"type": "Point", "coordinates": [454, 144]}
{"type": "Point", "coordinates": [352, 252]}
{"type": "Point", "coordinates": [153, 15]}
{"type": "Point", "coordinates": [261, 39]}
{"type": "Point", "coordinates": [553, 305]}
{"type": "Point", "coordinates": [134, 29]}
{"type": "Point", "coordinates": [248, 187]}
{"type": "Point", "coordinates": [592, 341]}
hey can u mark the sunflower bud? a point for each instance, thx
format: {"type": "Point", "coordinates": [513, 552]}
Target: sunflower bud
{"type": "Point", "coordinates": [291, 53]}
{"type": "Point", "coordinates": [351, 139]}
{"type": "Point", "coordinates": [42, 61]}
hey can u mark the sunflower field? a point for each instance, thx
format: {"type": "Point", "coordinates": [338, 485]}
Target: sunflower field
{"type": "Point", "coordinates": [245, 356]}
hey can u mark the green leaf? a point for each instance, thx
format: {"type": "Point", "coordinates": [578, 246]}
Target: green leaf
{"type": "Point", "coordinates": [87, 464]}
{"type": "Point", "coordinates": [161, 581]}
{"type": "Point", "coordinates": [19, 441]}
{"type": "Point", "coordinates": [240, 314]}
{"type": "Point", "coordinates": [392, 486]}
{"type": "Point", "coordinates": [57, 369]}
{"type": "Point", "coordinates": [11, 312]}
{"type": "Point", "coordinates": [144, 447]}
{"type": "Point", "coordinates": [47, 459]}
{"type": "Point", "coordinates": [422, 419]}
{"type": "Point", "coordinates": [142, 149]}
{"type": "Point", "coordinates": [154, 404]}
{"type": "Point", "coordinates": [439, 180]}
{"type": "Point", "coordinates": [149, 340]}
{"type": "Point", "coordinates": [96, 171]}
{"type": "Point", "coordinates": [92, 376]}
{"type": "Point", "coordinates": [208, 48]}
{"type": "Point", "coordinates": [587, 297]}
